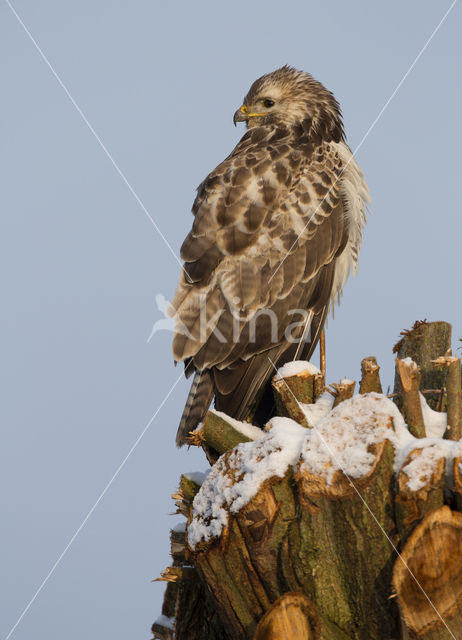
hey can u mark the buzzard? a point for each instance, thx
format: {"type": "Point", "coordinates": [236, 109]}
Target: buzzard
{"type": "Point", "coordinates": [277, 229]}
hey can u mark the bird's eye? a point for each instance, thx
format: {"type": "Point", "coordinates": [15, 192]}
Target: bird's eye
{"type": "Point", "coordinates": [268, 103]}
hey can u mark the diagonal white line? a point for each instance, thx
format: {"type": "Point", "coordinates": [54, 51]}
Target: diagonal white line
{"type": "Point", "coordinates": [400, 83]}
{"type": "Point", "coordinates": [337, 462]}
{"type": "Point", "coordinates": [381, 112]}
{"type": "Point", "coordinates": [87, 517]}
{"type": "Point", "coordinates": [96, 136]}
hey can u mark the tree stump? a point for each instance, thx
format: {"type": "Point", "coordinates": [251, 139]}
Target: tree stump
{"type": "Point", "coordinates": [291, 616]}
{"type": "Point", "coordinates": [428, 578]}
{"type": "Point", "coordinates": [425, 342]}
{"type": "Point", "coordinates": [370, 379]}
{"type": "Point", "coordinates": [348, 530]}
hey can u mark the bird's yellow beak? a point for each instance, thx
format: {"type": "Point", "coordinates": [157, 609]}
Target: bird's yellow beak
{"type": "Point", "coordinates": [242, 114]}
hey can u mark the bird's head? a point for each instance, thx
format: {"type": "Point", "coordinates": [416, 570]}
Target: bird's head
{"type": "Point", "coordinates": [290, 97]}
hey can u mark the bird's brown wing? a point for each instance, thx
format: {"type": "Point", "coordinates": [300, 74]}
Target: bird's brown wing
{"type": "Point", "coordinates": [269, 224]}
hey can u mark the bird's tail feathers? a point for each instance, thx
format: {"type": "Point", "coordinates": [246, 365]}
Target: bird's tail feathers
{"type": "Point", "coordinates": [199, 398]}
{"type": "Point", "coordinates": [249, 381]}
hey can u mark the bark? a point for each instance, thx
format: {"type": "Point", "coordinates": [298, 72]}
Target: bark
{"type": "Point", "coordinates": [410, 377]}
{"type": "Point", "coordinates": [425, 342]}
{"type": "Point", "coordinates": [370, 378]}
{"type": "Point", "coordinates": [199, 619]}
{"type": "Point", "coordinates": [187, 600]}
{"type": "Point", "coordinates": [453, 395]}
{"type": "Point", "coordinates": [453, 385]}
{"type": "Point", "coordinates": [241, 567]}
{"type": "Point", "coordinates": [219, 434]}
{"type": "Point", "coordinates": [322, 352]}
{"type": "Point", "coordinates": [457, 479]}
{"type": "Point", "coordinates": [162, 632]}
{"type": "Point", "coordinates": [428, 577]}
{"type": "Point", "coordinates": [339, 517]}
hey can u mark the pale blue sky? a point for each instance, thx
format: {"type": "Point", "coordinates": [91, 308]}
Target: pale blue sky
{"type": "Point", "coordinates": [81, 263]}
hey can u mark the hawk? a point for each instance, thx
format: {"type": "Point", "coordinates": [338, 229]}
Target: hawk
{"type": "Point", "coordinates": [277, 228]}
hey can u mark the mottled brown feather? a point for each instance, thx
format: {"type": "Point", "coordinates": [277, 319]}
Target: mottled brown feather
{"type": "Point", "coordinates": [270, 225]}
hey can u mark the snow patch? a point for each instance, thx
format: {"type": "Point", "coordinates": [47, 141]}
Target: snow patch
{"type": "Point", "coordinates": [197, 477]}
{"type": "Point", "coordinates": [435, 421]}
{"type": "Point", "coordinates": [409, 362]}
{"type": "Point", "coordinates": [421, 467]}
{"type": "Point", "coordinates": [295, 367]}
{"type": "Point", "coordinates": [341, 440]}
{"type": "Point", "coordinates": [247, 429]}
{"type": "Point", "coordinates": [166, 622]}
{"type": "Point", "coordinates": [315, 412]}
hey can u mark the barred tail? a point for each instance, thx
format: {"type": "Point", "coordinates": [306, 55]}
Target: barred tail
{"type": "Point", "coordinates": [199, 398]}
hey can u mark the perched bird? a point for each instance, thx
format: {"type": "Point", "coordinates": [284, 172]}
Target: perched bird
{"type": "Point", "coordinates": [277, 229]}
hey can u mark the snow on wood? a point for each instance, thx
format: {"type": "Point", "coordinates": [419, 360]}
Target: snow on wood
{"type": "Point", "coordinates": [238, 475]}
{"type": "Point", "coordinates": [435, 421]}
{"type": "Point", "coordinates": [197, 477]}
{"type": "Point", "coordinates": [315, 412]}
{"type": "Point", "coordinates": [247, 429]}
{"type": "Point", "coordinates": [340, 441]}
{"type": "Point", "coordinates": [296, 367]}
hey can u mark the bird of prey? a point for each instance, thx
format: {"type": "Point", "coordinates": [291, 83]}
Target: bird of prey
{"type": "Point", "coordinates": [277, 228]}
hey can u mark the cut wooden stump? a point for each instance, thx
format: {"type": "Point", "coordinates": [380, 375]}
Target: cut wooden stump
{"type": "Point", "coordinates": [428, 577]}
{"type": "Point", "coordinates": [339, 517]}
{"type": "Point", "coordinates": [292, 617]}
{"type": "Point", "coordinates": [453, 395]}
{"type": "Point", "coordinates": [370, 378]}
{"type": "Point", "coordinates": [454, 400]}
{"type": "Point", "coordinates": [291, 391]}
{"type": "Point", "coordinates": [413, 504]}
{"type": "Point", "coordinates": [291, 536]}
{"type": "Point", "coordinates": [220, 434]}
{"type": "Point", "coordinates": [309, 550]}
{"type": "Point", "coordinates": [342, 390]}
{"type": "Point", "coordinates": [410, 377]}
{"type": "Point", "coordinates": [425, 342]}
